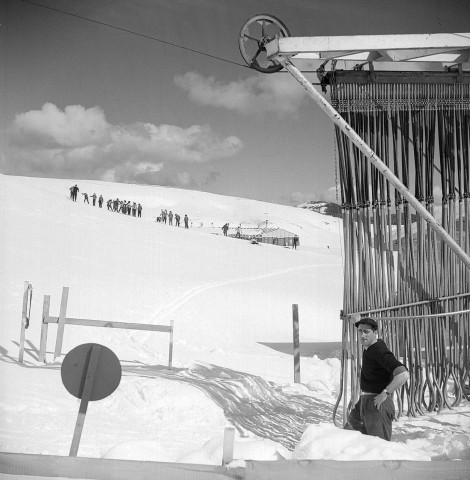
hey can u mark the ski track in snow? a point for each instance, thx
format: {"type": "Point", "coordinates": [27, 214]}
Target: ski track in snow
{"type": "Point", "coordinates": [165, 311]}
{"type": "Point", "coordinates": [249, 402]}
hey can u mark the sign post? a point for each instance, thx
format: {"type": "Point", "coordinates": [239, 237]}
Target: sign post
{"type": "Point", "coordinates": [89, 372]}
{"type": "Point", "coordinates": [86, 395]}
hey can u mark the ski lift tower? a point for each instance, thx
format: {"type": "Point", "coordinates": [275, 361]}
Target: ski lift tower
{"type": "Point", "coordinates": [400, 105]}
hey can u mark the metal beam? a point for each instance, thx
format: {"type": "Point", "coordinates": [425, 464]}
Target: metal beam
{"type": "Point", "coordinates": [420, 51]}
{"type": "Point", "coordinates": [311, 65]}
{"type": "Point", "coordinates": [415, 53]}
{"type": "Point", "coordinates": [292, 45]}
{"type": "Point", "coordinates": [366, 76]}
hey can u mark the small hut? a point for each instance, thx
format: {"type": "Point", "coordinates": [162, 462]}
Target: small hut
{"type": "Point", "coordinates": [277, 236]}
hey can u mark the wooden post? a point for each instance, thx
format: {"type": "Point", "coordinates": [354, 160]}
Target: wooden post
{"type": "Point", "coordinates": [170, 348]}
{"type": "Point", "coordinates": [229, 438]}
{"type": "Point", "coordinates": [24, 319]}
{"type": "Point", "coordinates": [44, 327]}
{"type": "Point", "coordinates": [87, 388]}
{"type": "Point", "coordinates": [295, 314]}
{"type": "Point", "coordinates": [61, 326]}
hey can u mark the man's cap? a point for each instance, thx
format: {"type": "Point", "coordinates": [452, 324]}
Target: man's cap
{"type": "Point", "coordinates": [367, 321]}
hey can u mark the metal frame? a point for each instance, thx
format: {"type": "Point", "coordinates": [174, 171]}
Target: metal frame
{"type": "Point", "coordinates": [387, 52]}
{"type": "Point", "coordinates": [374, 159]}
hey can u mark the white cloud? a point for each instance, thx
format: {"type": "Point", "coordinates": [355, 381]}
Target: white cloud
{"type": "Point", "coordinates": [72, 128]}
{"type": "Point", "coordinates": [197, 143]}
{"type": "Point", "coordinates": [278, 93]}
{"type": "Point", "coordinates": [80, 143]}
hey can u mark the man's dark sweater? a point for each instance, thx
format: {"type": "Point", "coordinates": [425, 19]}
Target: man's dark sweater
{"type": "Point", "coordinates": [378, 366]}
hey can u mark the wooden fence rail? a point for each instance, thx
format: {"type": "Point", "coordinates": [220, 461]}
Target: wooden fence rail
{"type": "Point", "coordinates": [17, 465]}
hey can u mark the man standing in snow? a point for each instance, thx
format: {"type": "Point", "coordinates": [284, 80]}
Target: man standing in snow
{"type": "Point", "coordinates": [186, 220]}
{"type": "Point", "coordinates": [381, 375]}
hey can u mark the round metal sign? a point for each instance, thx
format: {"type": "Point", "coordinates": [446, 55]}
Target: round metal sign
{"type": "Point", "coordinates": [102, 368]}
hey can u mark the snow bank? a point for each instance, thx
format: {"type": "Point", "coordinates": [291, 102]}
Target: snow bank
{"type": "Point", "coordinates": [327, 442]}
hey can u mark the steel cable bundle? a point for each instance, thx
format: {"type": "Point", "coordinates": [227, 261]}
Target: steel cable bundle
{"type": "Point", "coordinates": [397, 270]}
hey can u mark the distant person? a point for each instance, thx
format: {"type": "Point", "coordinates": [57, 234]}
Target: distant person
{"type": "Point", "coordinates": [85, 197]}
{"type": "Point", "coordinates": [186, 221]}
{"type": "Point", "coordinates": [177, 220]}
{"type": "Point", "coordinates": [75, 192]}
{"type": "Point", "coordinates": [109, 204]}
{"type": "Point", "coordinates": [116, 205]}
{"type": "Point", "coordinates": [94, 197]}
{"type": "Point", "coordinates": [170, 218]}
{"type": "Point", "coordinates": [139, 210]}
{"type": "Point", "coordinates": [295, 242]}
{"type": "Point", "coordinates": [129, 207]}
{"type": "Point", "coordinates": [238, 233]}
{"type": "Point", "coordinates": [134, 209]}
{"type": "Point", "coordinates": [100, 201]}
{"type": "Point", "coordinates": [225, 229]}
{"type": "Point", "coordinates": [71, 192]}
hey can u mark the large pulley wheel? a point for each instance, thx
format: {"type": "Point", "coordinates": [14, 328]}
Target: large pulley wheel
{"type": "Point", "coordinates": [255, 34]}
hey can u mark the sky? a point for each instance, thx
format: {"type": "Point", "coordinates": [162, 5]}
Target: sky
{"type": "Point", "coordinates": [228, 298]}
{"type": "Point", "coordinates": [83, 100]}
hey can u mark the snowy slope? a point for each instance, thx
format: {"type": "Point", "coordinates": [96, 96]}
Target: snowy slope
{"type": "Point", "coordinates": [225, 296]}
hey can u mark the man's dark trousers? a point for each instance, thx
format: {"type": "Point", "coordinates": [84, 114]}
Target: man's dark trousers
{"type": "Point", "coordinates": [366, 418]}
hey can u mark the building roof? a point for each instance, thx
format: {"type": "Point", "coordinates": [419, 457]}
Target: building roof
{"type": "Point", "coordinates": [276, 232]}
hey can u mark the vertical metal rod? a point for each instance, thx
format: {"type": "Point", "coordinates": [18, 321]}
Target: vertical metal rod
{"type": "Point", "coordinates": [295, 319]}
{"type": "Point", "coordinates": [24, 315]}
{"type": "Point", "coordinates": [374, 159]}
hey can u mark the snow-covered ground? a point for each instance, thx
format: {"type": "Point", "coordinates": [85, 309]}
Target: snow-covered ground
{"type": "Point", "coordinates": [226, 297]}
